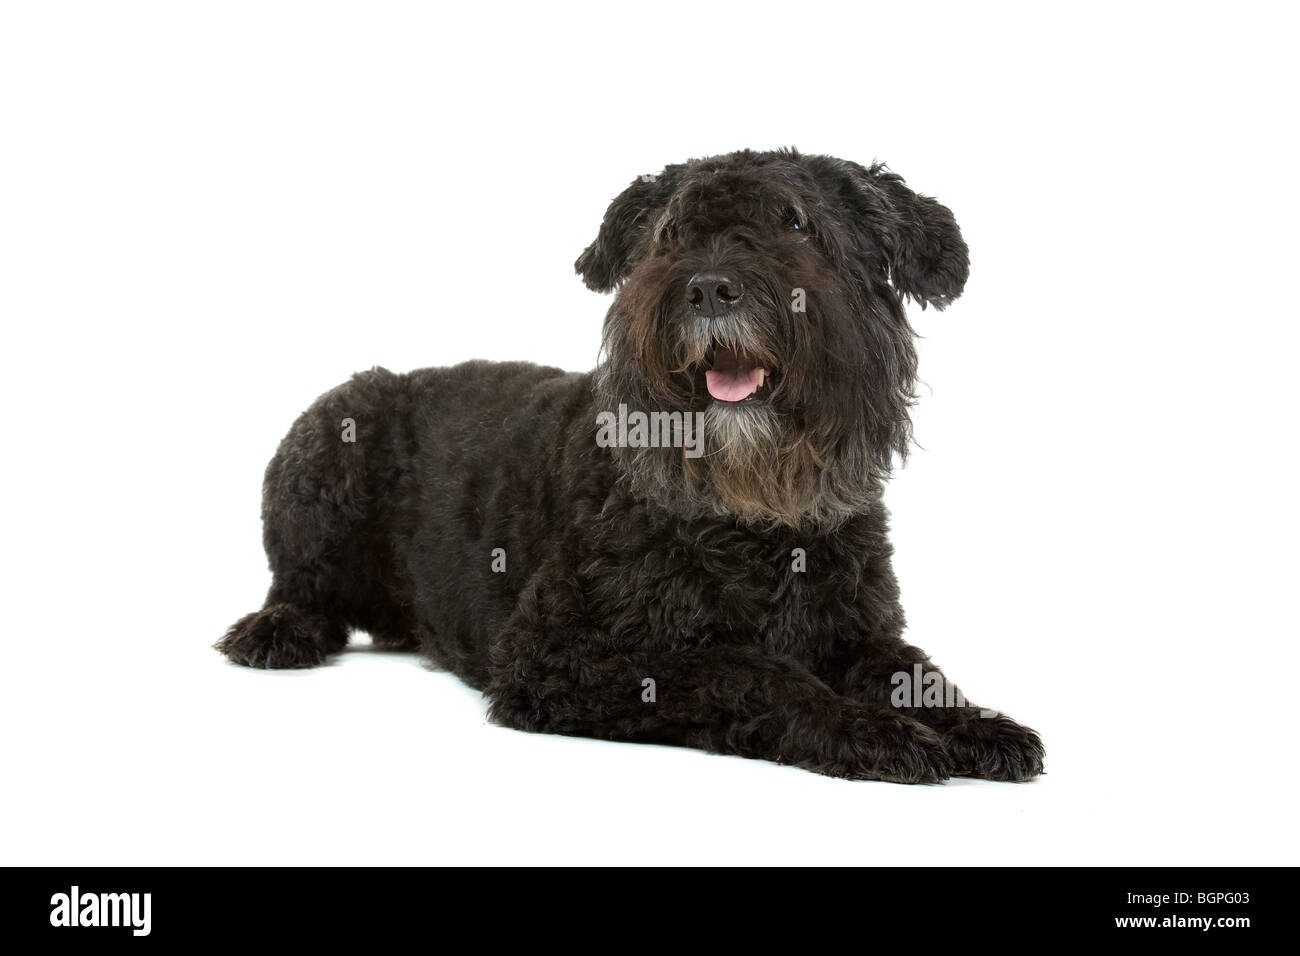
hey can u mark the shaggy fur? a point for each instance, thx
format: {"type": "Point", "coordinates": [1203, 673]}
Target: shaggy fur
{"type": "Point", "coordinates": [642, 594]}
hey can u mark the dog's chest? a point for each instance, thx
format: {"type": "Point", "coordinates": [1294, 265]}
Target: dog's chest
{"type": "Point", "coordinates": [710, 589]}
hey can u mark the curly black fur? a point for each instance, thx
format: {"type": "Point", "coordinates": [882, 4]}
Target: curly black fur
{"type": "Point", "coordinates": [640, 593]}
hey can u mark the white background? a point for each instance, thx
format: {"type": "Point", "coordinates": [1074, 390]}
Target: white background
{"type": "Point", "coordinates": [211, 213]}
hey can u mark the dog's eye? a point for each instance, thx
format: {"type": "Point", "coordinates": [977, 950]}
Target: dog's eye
{"type": "Point", "coordinates": [793, 222]}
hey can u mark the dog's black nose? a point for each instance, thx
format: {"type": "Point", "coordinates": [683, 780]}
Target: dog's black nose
{"type": "Point", "coordinates": [713, 292]}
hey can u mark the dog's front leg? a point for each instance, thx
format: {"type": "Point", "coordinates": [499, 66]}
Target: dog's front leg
{"type": "Point", "coordinates": [886, 671]}
{"type": "Point", "coordinates": [554, 669]}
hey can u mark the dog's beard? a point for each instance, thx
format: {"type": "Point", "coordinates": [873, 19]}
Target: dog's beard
{"type": "Point", "coordinates": [753, 468]}
{"type": "Point", "coordinates": [755, 459]}
{"type": "Point", "coordinates": [751, 465]}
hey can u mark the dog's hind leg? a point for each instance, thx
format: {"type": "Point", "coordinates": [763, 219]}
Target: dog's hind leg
{"type": "Point", "coordinates": [303, 621]}
{"type": "Point", "coordinates": [325, 529]}
{"type": "Point", "coordinates": [283, 635]}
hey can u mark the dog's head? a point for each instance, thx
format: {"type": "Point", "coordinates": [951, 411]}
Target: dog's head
{"type": "Point", "coordinates": [765, 291]}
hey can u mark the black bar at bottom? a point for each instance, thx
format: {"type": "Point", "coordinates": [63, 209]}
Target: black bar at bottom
{"type": "Point", "coordinates": [920, 906]}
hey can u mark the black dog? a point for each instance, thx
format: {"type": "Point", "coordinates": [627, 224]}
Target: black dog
{"type": "Point", "coordinates": [720, 577]}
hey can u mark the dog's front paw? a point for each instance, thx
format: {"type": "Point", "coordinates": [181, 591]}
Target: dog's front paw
{"type": "Point", "coordinates": [996, 748]}
{"type": "Point", "coordinates": [890, 747]}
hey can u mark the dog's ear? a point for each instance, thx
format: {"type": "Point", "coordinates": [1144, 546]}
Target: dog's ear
{"type": "Point", "coordinates": [922, 244]}
{"type": "Point", "coordinates": [625, 230]}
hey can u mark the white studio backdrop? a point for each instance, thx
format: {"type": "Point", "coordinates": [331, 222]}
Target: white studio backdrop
{"type": "Point", "coordinates": [211, 213]}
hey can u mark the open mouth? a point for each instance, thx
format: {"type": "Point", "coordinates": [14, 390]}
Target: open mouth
{"type": "Point", "coordinates": [735, 376]}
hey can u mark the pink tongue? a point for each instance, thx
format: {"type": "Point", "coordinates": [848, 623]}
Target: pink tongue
{"type": "Point", "coordinates": [733, 384]}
